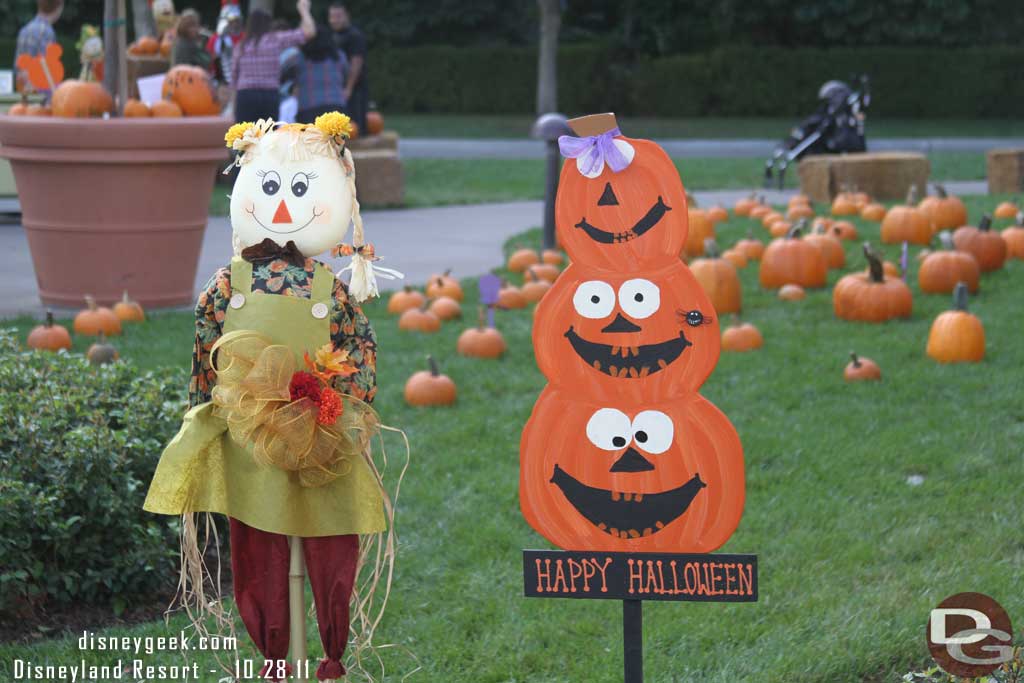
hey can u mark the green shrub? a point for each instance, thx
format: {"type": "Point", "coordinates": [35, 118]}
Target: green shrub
{"type": "Point", "coordinates": [78, 446]}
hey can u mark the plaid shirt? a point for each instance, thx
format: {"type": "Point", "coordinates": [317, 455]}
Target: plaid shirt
{"type": "Point", "coordinates": [321, 83]}
{"type": "Point", "coordinates": [34, 37]}
{"type": "Point", "coordinates": [257, 65]}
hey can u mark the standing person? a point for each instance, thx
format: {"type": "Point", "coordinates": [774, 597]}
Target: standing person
{"type": "Point", "coordinates": [188, 44]}
{"type": "Point", "coordinates": [351, 41]}
{"type": "Point", "coordinates": [37, 34]}
{"type": "Point", "coordinates": [256, 69]}
{"type": "Point", "coordinates": [222, 44]}
{"type": "Point", "coordinates": [320, 77]}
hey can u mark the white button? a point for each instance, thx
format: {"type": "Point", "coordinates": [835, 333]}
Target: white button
{"type": "Point", "coordinates": [237, 300]}
{"type": "Point", "coordinates": [319, 310]}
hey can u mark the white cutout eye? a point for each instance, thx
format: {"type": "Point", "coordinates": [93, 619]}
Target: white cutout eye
{"type": "Point", "coordinates": [594, 299]}
{"type": "Point", "coordinates": [639, 298]}
{"type": "Point", "coordinates": [653, 431]}
{"type": "Point", "coordinates": [609, 429]}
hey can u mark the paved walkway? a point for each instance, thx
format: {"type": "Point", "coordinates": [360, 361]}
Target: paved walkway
{"type": "Point", "coordinates": [418, 242]}
{"type": "Point", "coordinates": [444, 148]}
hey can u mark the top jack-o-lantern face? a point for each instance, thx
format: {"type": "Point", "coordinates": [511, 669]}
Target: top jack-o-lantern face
{"type": "Point", "coordinates": [632, 218]}
{"type": "Point", "coordinates": [286, 193]}
{"type": "Point", "coordinates": [648, 334]}
{"type": "Point", "coordinates": [602, 474]}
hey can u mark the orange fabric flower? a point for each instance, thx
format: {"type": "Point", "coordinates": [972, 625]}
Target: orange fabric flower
{"type": "Point", "coordinates": [331, 407]}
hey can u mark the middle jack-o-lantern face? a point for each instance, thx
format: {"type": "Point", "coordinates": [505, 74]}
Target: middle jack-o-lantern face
{"type": "Point", "coordinates": [633, 218]}
{"type": "Point", "coordinates": [650, 334]}
{"type": "Point", "coordinates": [638, 476]}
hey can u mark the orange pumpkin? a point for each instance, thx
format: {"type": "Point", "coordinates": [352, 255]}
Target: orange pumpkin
{"type": "Point", "coordinates": [510, 296]}
{"type": "Point", "coordinates": [751, 247]}
{"type": "Point", "coordinates": [945, 211]}
{"type": "Point", "coordinates": [873, 212]}
{"type": "Point", "coordinates": [736, 257]}
{"type": "Point", "coordinates": [429, 387]}
{"type": "Point", "coordinates": [553, 257]}
{"type": "Point", "coordinates": [1014, 238]}
{"type": "Point", "coordinates": [831, 247]}
{"type": "Point", "coordinates": [444, 285]}
{"type": "Point", "coordinates": [844, 205]}
{"type": "Point", "coordinates": [136, 108]}
{"type": "Point", "coordinates": [743, 206]}
{"type": "Point", "coordinates": [984, 244]}
{"type": "Point", "coordinates": [95, 319]}
{"type": "Point", "coordinates": [545, 271]}
{"type": "Point", "coordinates": [742, 337]}
{"type": "Point", "coordinates": [650, 334]}
{"type": "Point", "coordinates": [719, 279]}
{"type": "Point", "coordinates": [129, 311]}
{"type": "Point", "coordinates": [404, 299]}
{"type": "Point", "coordinates": [48, 336]}
{"type": "Point", "coordinates": [957, 336]}
{"type": "Point", "coordinates": [771, 217]}
{"type": "Point", "coordinates": [1006, 210]}
{"type": "Point", "coordinates": [873, 296]}
{"type": "Point", "coordinates": [790, 259]}
{"type": "Point", "coordinates": [760, 211]}
{"type": "Point", "coordinates": [167, 44]}
{"type": "Point", "coordinates": [481, 341]}
{"type": "Point", "coordinates": [718, 213]}
{"type": "Point", "coordinates": [906, 223]}
{"type": "Point", "coordinates": [700, 229]}
{"type": "Point", "coordinates": [81, 99]}
{"type": "Point", "coordinates": [606, 474]}
{"type": "Point", "coordinates": [792, 292]}
{"type": "Point", "coordinates": [942, 269]}
{"type": "Point", "coordinates": [191, 89]}
{"type": "Point", "coordinates": [19, 108]}
{"type": "Point", "coordinates": [861, 369]}
{"type": "Point", "coordinates": [166, 109]}
{"type": "Point", "coordinates": [534, 288]}
{"type": "Point", "coordinates": [779, 228]}
{"type": "Point", "coordinates": [798, 211]}
{"type": "Point", "coordinates": [38, 110]}
{"type": "Point", "coordinates": [145, 45]}
{"type": "Point", "coordinates": [445, 308]}
{"type": "Point", "coordinates": [635, 218]}
{"type": "Point", "coordinates": [374, 123]}
{"type": "Point", "coordinates": [798, 199]}
{"type": "Point", "coordinates": [844, 230]}
{"type": "Point", "coordinates": [419, 320]}
{"type": "Point", "coordinates": [521, 259]}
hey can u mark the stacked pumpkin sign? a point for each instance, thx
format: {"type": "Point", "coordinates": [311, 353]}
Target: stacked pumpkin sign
{"type": "Point", "coordinates": [621, 453]}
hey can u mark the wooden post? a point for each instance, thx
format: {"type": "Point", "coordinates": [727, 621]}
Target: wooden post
{"type": "Point", "coordinates": [122, 51]}
{"type": "Point", "coordinates": [297, 608]}
{"type": "Point", "coordinates": [633, 641]}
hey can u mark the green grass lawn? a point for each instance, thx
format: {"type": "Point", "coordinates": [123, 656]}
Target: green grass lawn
{"type": "Point", "coordinates": [518, 126]}
{"type": "Point", "coordinates": [440, 182]}
{"type": "Point", "coordinates": [851, 556]}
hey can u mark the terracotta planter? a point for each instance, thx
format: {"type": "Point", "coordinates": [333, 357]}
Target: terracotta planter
{"type": "Point", "coordinates": [110, 205]}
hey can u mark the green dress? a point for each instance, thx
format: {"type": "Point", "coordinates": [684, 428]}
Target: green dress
{"type": "Point", "coordinates": [204, 470]}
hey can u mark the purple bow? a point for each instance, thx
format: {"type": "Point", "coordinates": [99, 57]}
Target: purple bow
{"type": "Point", "coordinates": [593, 152]}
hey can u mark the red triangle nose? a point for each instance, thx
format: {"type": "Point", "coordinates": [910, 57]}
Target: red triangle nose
{"type": "Point", "coordinates": [282, 215]}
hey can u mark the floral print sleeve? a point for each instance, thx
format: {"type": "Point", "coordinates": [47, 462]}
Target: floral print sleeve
{"type": "Point", "coordinates": [210, 311]}
{"type": "Point", "coordinates": [351, 331]}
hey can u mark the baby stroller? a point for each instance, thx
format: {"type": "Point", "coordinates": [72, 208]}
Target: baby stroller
{"type": "Point", "coordinates": [837, 126]}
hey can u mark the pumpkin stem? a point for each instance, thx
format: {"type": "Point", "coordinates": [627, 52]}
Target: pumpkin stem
{"type": "Point", "coordinates": [408, 289]}
{"type": "Point", "coordinates": [941, 190]}
{"type": "Point", "coordinates": [49, 318]}
{"type": "Point", "coordinates": [912, 195]}
{"type": "Point", "coordinates": [985, 223]}
{"type": "Point", "coordinates": [481, 317]}
{"type": "Point", "coordinates": [124, 297]}
{"type": "Point", "coordinates": [1020, 218]}
{"type": "Point", "coordinates": [874, 263]}
{"type": "Point", "coordinates": [854, 359]}
{"type": "Point", "coordinates": [90, 302]}
{"type": "Point", "coordinates": [796, 230]}
{"type": "Point", "coordinates": [434, 370]}
{"type": "Point", "coordinates": [711, 247]}
{"type": "Point", "coordinates": [447, 272]}
{"type": "Point", "coordinates": [960, 297]}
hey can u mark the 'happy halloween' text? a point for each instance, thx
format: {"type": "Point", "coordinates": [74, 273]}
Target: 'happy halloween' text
{"type": "Point", "coordinates": [643, 576]}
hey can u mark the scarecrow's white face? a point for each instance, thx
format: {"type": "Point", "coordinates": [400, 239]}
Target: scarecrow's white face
{"type": "Point", "coordinates": [307, 201]}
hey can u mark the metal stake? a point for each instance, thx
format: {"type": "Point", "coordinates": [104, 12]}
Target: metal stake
{"type": "Point", "coordinates": [297, 608]}
{"type": "Point", "coordinates": [633, 641]}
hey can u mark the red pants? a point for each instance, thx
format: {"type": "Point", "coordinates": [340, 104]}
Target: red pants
{"type": "Point", "coordinates": [259, 562]}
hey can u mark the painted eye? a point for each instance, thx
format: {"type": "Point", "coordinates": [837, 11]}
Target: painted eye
{"type": "Point", "coordinates": [639, 298]}
{"type": "Point", "coordinates": [594, 299]}
{"type": "Point", "coordinates": [694, 318]}
{"type": "Point", "coordinates": [609, 429]}
{"type": "Point", "coordinates": [300, 183]}
{"type": "Point", "coordinates": [271, 182]}
{"type": "Point", "coordinates": [653, 431]}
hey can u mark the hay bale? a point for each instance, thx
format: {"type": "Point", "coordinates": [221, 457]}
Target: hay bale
{"type": "Point", "coordinates": [379, 180]}
{"type": "Point", "coordinates": [883, 175]}
{"type": "Point", "coordinates": [1005, 170]}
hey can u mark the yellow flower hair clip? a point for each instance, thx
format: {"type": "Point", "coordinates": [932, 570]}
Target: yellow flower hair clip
{"type": "Point", "coordinates": [334, 124]}
{"type": "Point", "coordinates": [237, 132]}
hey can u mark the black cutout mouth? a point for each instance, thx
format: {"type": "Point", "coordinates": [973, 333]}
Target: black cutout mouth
{"type": "Point", "coordinates": [628, 361]}
{"type": "Point", "coordinates": [648, 221]}
{"type": "Point", "coordinates": [627, 515]}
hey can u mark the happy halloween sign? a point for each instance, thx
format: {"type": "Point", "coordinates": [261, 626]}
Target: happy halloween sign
{"type": "Point", "coordinates": [639, 576]}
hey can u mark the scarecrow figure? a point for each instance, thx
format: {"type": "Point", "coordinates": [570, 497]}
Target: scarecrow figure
{"type": "Point", "coordinates": [283, 372]}
{"type": "Point", "coordinates": [222, 44]}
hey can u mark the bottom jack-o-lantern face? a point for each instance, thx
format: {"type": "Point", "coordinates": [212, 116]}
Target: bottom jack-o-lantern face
{"type": "Point", "coordinates": [630, 476]}
{"type": "Point", "coordinates": [629, 514]}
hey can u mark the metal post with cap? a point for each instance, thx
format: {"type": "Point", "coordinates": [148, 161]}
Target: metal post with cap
{"type": "Point", "coordinates": [549, 127]}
